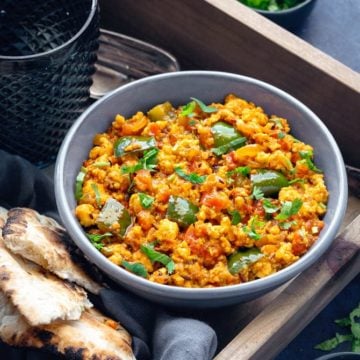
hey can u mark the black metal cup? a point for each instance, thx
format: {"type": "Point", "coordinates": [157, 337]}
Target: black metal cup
{"type": "Point", "coordinates": [47, 58]}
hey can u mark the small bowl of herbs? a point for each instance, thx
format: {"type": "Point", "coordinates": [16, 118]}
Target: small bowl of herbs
{"type": "Point", "coordinates": [287, 13]}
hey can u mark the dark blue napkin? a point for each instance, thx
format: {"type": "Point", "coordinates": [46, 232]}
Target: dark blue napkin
{"type": "Point", "coordinates": [158, 333]}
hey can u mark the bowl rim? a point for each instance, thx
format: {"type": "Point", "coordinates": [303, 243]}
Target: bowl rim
{"type": "Point", "coordinates": [181, 293]}
{"type": "Point", "coordinates": [283, 11]}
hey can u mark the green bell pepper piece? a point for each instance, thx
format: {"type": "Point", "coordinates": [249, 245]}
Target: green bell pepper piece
{"type": "Point", "coordinates": [269, 181]}
{"type": "Point", "coordinates": [181, 211]}
{"type": "Point", "coordinates": [240, 259]}
{"type": "Point", "coordinates": [113, 211]}
{"type": "Point", "coordinates": [224, 133]}
{"type": "Point", "coordinates": [133, 144]}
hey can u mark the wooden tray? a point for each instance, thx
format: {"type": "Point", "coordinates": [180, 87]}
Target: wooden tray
{"type": "Point", "coordinates": [225, 35]}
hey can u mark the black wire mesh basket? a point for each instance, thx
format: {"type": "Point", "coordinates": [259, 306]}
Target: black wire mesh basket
{"type": "Point", "coordinates": [47, 56]}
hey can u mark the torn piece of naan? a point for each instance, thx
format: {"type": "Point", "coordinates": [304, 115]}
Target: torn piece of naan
{"type": "Point", "coordinates": [94, 336]}
{"type": "Point", "coordinates": [40, 296]}
{"type": "Point", "coordinates": [42, 240]}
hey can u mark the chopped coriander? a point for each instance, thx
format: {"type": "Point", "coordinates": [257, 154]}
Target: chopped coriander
{"type": "Point", "coordinates": [145, 200]}
{"type": "Point", "coordinates": [79, 183]}
{"type": "Point", "coordinates": [188, 109]}
{"type": "Point", "coordinates": [137, 268]}
{"type": "Point", "coordinates": [96, 239]}
{"type": "Point", "coordinates": [307, 157]}
{"type": "Point", "coordinates": [251, 231]}
{"type": "Point", "coordinates": [192, 177]}
{"type": "Point", "coordinates": [156, 256]}
{"type": "Point", "coordinates": [147, 162]}
{"type": "Point", "coordinates": [332, 343]}
{"type": "Point", "coordinates": [204, 108]}
{"type": "Point", "coordinates": [352, 321]}
{"type": "Point", "coordinates": [288, 209]}
{"type": "Point", "coordinates": [97, 194]}
{"type": "Point", "coordinates": [192, 122]}
{"type": "Point", "coordinates": [269, 207]}
{"type": "Point", "coordinates": [242, 170]}
{"type": "Point", "coordinates": [281, 135]}
{"type": "Point", "coordinates": [257, 193]}
{"type": "Point", "coordinates": [235, 217]}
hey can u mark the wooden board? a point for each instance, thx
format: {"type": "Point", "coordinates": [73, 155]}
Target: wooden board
{"type": "Point", "coordinates": [225, 35]}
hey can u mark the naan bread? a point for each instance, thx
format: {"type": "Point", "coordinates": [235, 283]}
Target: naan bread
{"type": "Point", "coordinates": [38, 295]}
{"type": "Point", "coordinates": [42, 240]}
{"type": "Point", "coordinates": [94, 336]}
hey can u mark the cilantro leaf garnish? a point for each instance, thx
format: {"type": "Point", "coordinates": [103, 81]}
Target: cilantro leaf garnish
{"type": "Point", "coordinates": [96, 239]}
{"type": "Point", "coordinates": [137, 268]}
{"type": "Point", "coordinates": [188, 109]}
{"type": "Point", "coordinates": [147, 162]}
{"type": "Point", "coordinates": [192, 177]}
{"type": "Point", "coordinates": [307, 157]}
{"type": "Point", "coordinates": [287, 225]}
{"type": "Point", "coordinates": [257, 193]}
{"type": "Point", "coordinates": [145, 200]}
{"type": "Point", "coordinates": [332, 343]}
{"type": "Point", "coordinates": [79, 183]}
{"type": "Point", "coordinates": [281, 135]}
{"type": "Point", "coordinates": [269, 207]}
{"type": "Point", "coordinates": [251, 231]}
{"type": "Point", "coordinates": [235, 217]}
{"type": "Point", "coordinates": [352, 321]}
{"type": "Point", "coordinates": [288, 209]}
{"type": "Point", "coordinates": [242, 170]}
{"type": "Point", "coordinates": [156, 256]}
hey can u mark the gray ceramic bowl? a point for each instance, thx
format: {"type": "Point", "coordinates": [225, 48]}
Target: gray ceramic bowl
{"type": "Point", "coordinates": [340, 356]}
{"type": "Point", "coordinates": [178, 88]}
{"type": "Point", "coordinates": [291, 18]}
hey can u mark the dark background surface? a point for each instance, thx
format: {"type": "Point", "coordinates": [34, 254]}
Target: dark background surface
{"type": "Point", "coordinates": [333, 27]}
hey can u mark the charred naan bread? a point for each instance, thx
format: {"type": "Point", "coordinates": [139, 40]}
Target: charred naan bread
{"type": "Point", "coordinates": [94, 336]}
{"type": "Point", "coordinates": [40, 296]}
{"type": "Point", "coordinates": [42, 240]}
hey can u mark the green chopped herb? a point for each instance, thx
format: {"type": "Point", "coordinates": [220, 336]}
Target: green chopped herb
{"type": "Point", "coordinates": [147, 162]}
{"type": "Point", "coordinates": [332, 343]}
{"type": "Point", "coordinates": [136, 268]}
{"type": "Point", "coordinates": [281, 135]}
{"type": "Point", "coordinates": [277, 122]}
{"type": "Point", "coordinates": [307, 156]}
{"type": "Point", "coordinates": [188, 109]}
{"type": "Point", "coordinates": [145, 200]}
{"type": "Point", "coordinates": [97, 194]}
{"type": "Point", "coordinates": [271, 5]}
{"type": "Point", "coordinates": [288, 209]}
{"type": "Point", "coordinates": [257, 193]}
{"type": "Point", "coordinates": [204, 108]}
{"type": "Point", "coordinates": [79, 183]}
{"type": "Point", "coordinates": [352, 322]}
{"type": "Point", "coordinates": [192, 177]}
{"type": "Point", "coordinates": [242, 170]}
{"type": "Point", "coordinates": [230, 146]}
{"type": "Point", "coordinates": [269, 207]}
{"type": "Point", "coordinates": [192, 122]}
{"type": "Point", "coordinates": [96, 239]}
{"type": "Point", "coordinates": [235, 217]}
{"type": "Point", "coordinates": [251, 230]}
{"type": "Point", "coordinates": [156, 256]}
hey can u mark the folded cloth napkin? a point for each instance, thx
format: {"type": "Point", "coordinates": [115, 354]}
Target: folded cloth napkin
{"type": "Point", "coordinates": [158, 333]}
